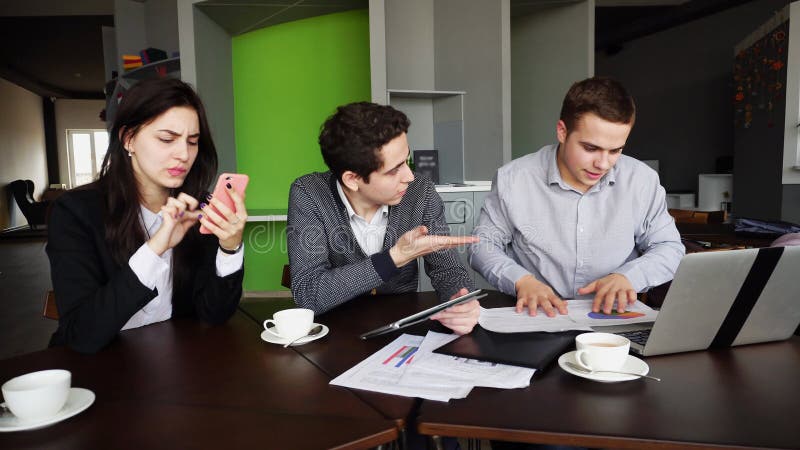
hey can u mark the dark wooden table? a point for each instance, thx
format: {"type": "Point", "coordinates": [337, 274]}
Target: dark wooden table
{"type": "Point", "coordinates": [184, 384]}
{"type": "Point", "coordinates": [342, 349]}
{"type": "Point", "coordinates": [744, 397]}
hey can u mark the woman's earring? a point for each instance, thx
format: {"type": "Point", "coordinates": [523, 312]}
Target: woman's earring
{"type": "Point", "coordinates": [130, 154]}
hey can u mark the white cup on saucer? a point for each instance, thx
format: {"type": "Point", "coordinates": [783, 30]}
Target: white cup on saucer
{"type": "Point", "coordinates": [290, 324]}
{"type": "Point", "coordinates": [601, 351]}
{"type": "Point", "coordinates": [37, 395]}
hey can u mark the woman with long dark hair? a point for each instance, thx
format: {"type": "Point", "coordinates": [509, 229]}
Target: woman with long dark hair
{"type": "Point", "coordinates": [125, 250]}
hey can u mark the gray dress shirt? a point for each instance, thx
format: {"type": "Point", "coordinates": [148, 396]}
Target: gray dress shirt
{"type": "Point", "coordinates": [533, 222]}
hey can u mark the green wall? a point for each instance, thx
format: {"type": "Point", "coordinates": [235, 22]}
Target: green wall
{"type": "Point", "coordinates": [286, 80]}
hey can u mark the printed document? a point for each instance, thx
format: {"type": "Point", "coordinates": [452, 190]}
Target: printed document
{"type": "Point", "coordinates": [579, 317]}
{"type": "Point", "coordinates": [408, 367]}
{"type": "Point", "coordinates": [436, 368]}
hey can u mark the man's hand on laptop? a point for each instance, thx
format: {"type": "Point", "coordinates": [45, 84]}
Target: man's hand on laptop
{"type": "Point", "coordinates": [611, 288]}
{"type": "Point", "coordinates": [460, 318]}
{"type": "Point", "coordinates": [533, 293]}
{"type": "Point", "coordinates": [417, 242]}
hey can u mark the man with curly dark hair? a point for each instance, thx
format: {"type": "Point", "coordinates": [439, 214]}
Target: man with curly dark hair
{"type": "Point", "coordinates": [360, 227]}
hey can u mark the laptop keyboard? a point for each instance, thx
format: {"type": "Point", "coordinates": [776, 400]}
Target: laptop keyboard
{"type": "Point", "coordinates": [638, 336]}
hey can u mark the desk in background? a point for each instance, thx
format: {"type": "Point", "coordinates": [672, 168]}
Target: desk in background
{"type": "Point", "coordinates": [720, 235]}
{"type": "Point", "coordinates": [266, 215]}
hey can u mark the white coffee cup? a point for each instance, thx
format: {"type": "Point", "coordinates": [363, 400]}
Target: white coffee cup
{"type": "Point", "coordinates": [601, 351]}
{"type": "Point", "coordinates": [290, 323]}
{"type": "Point", "coordinates": [37, 395]}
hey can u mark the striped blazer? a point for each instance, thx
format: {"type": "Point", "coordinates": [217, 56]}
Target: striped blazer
{"type": "Point", "coordinates": [328, 267]}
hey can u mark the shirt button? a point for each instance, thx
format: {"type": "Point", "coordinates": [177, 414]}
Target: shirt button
{"type": "Point", "coordinates": [580, 229]}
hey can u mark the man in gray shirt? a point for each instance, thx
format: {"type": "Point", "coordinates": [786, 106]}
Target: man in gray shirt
{"type": "Point", "coordinates": [578, 218]}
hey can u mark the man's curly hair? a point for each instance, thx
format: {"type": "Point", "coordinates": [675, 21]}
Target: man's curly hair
{"type": "Point", "coordinates": [352, 137]}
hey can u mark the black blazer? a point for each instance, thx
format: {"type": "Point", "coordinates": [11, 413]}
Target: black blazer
{"type": "Point", "coordinates": [96, 297]}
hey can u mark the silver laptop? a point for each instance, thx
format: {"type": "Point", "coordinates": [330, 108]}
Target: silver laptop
{"type": "Point", "coordinates": [722, 299]}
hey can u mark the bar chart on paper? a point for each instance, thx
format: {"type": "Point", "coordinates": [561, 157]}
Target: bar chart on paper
{"type": "Point", "coordinates": [385, 370]}
{"type": "Point", "coordinates": [404, 355]}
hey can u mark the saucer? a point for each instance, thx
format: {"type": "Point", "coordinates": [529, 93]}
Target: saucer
{"type": "Point", "coordinates": [272, 339]}
{"type": "Point", "coordinates": [78, 400]}
{"type": "Point", "coordinates": [632, 364]}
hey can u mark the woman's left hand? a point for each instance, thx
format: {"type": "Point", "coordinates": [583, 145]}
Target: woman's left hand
{"type": "Point", "coordinates": [228, 225]}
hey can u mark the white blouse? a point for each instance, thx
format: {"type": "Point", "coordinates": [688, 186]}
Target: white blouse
{"type": "Point", "coordinates": [155, 272]}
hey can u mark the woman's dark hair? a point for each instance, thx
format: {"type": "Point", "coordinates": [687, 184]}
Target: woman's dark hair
{"type": "Point", "coordinates": [141, 105]}
{"type": "Point", "coordinates": [350, 138]}
{"type": "Point", "coordinates": [604, 97]}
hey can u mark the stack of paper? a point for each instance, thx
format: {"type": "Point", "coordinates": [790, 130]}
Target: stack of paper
{"type": "Point", "coordinates": [579, 317]}
{"type": "Point", "coordinates": [408, 367]}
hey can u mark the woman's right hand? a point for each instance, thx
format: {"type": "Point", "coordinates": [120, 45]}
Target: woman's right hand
{"type": "Point", "coordinates": [178, 215]}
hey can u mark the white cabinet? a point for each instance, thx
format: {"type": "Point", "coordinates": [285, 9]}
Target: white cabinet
{"type": "Point", "coordinates": [680, 200]}
{"type": "Point", "coordinates": [714, 191]}
{"type": "Point", "coordinates": [461, 211]}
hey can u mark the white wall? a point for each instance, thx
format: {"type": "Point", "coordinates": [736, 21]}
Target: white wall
{"type": "Point", "coordinates": [377, 50]}
{"type": "Point", "coordinates": [214, 83]}
{"type": "Point", "coordinates": [469, 57]}
{"type": "Point", "coordinates": [790, 208]}
{"type": "Point", "coordinates": [74, 114]}
{"type": "Point", "coordinates": [550, 49]}
{"type": "Point", "coordinates": [409, 44]}
{"type": "Point", "coordinates": [161, 22]}
{"type": "Point", "coordinates": [21, 147]}
{"type": "Point", "coordinates": [791, 143]}
{"type": "Point", "coordinates": [129, 27]}
{"type": "Point", "coordinates": [140, 25]}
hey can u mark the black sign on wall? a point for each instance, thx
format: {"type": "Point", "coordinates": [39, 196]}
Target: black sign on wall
{"type": "Point", "coordinates": [426, 163]}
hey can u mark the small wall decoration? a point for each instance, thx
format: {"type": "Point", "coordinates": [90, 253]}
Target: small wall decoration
{"type": "Point", "coordinates": [759, 74]}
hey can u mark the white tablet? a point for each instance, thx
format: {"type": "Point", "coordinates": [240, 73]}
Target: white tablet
{"type": "Point", "coordinates": [422, 315]}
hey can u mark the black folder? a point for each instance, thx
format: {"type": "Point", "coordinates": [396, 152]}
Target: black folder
{"type": "Point", "coordinates": [533, 349]}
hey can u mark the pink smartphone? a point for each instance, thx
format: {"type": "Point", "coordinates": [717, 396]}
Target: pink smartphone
{"type": "Point", "coordinates": [238, 181]}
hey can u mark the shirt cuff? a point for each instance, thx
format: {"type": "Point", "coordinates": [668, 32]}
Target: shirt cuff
{"type": "Point", "coordinates": [508, 280]}
{"type": "Point", "coordinates": [148, 266]}
{"type": "Point", "coordinates": [634, 274]}
{"type": "Point", "coordinates": [227, 263]}
{"type": "Point", "coordinates": [384, 265]}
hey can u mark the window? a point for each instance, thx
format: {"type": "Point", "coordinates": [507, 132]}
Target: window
{"type": "Point", "coordinates": [87, 148]}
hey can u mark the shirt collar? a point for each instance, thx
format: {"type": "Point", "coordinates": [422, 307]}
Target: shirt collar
{"type": "Point", "coordinates": [150, 219]}
{"type": "Point", "coordinates": [383, 211]}
{"type": "Point", "coordinates": [554, 176]}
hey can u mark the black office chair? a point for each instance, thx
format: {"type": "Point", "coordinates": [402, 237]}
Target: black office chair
{"type": "Point", "coordinates": [35, 212]}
